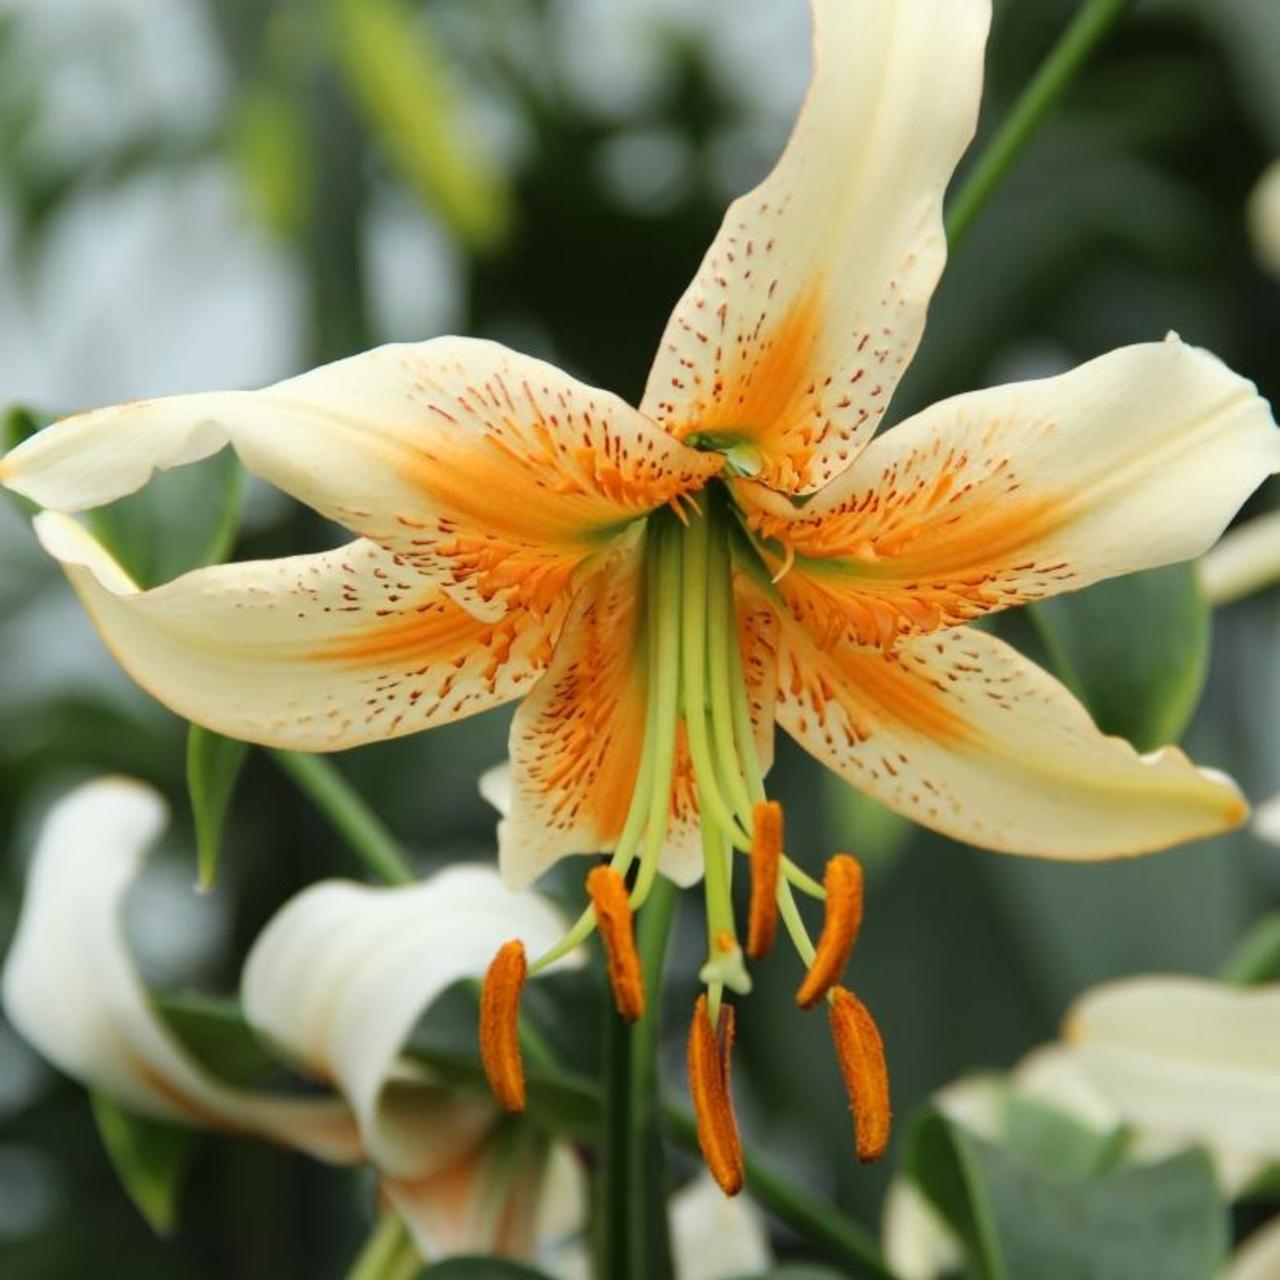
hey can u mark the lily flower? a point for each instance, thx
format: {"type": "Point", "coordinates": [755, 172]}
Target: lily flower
{"type": "Point", "coordinates": [337, 982]}
{"type": "Point", "coordinates": [664, 584]}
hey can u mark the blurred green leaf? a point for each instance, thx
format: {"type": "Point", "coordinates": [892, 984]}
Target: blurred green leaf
{"type": "Point", "coordinates": [21, 422]}
{"type": "Point", "coordinates": [800, 1271]}
{"type": "Point", "coordinates": [1255, 959]}
{"type": "Point", "coordinates": [479, 1269]}
{"type": "Point", "coordinates": [216, 1034]}
{"type": "Point", "coordinates": [1018, 1221]}
{"type": "Point", "coordinates": [400, 82]}
{"type": "Point", "coordinates": [180, 520]}
{"type": "Point", "coordinates": [1134, 649]}
{"type": "Point", "coordinates": [213, 768]}
{"type": "Point", "coordinates": [269, 142]}
{"type": "Point", "coordinates": [150, 1156]}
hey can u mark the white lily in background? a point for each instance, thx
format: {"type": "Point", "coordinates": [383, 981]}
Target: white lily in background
{"type": "Point", "coordinates": [1181, 1061]}
{"type": "Point", "coordinates": [1263, 215]}
{"type": "Point", "coordinates": [338, 980]}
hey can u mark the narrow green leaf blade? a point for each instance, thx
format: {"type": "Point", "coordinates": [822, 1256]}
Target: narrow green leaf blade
{"type": "Point", "coordinates": [213, 768]}
{"type": "Point", "coordinates": [150, 1156]}
{"type": "Point", "coordinates": [1135, 649]}
{"type": "Point", "coordinates": [399, 82]}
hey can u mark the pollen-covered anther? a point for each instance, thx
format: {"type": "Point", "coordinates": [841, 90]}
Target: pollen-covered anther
{"type": "Point", "coordinates": [500, 1025]}
{"type": "Point", "coordinates": [710, 1049]}
{"type": "Point", "coordinates": [608, 893]}
{"type": "Point", "coordinates": [860, 1051]}
{"type": "Point", "coordinates": [843, 884]}
{"type": "Point", "coordinates": [766, 859]}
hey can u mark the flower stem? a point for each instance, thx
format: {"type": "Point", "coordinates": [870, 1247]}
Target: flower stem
{"type": "Point", "coordinates": [343, 805]}
{"type": "Point", "coordinates": [631, 1235]}
{"type": "Point", "coordinates": [385, 1252]}
{"type": "Point", "coordinates": [1093, 19]}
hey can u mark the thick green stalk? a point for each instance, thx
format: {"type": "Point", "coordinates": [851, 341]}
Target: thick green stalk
{"type": "Point", "coordinates": [1093, 19]}
{"type": "Point", "coordinates": [343, 805]}
{"type": "Point", "coordinates": [631, 1240]}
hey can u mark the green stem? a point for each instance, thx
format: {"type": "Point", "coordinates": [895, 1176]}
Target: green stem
{"type": "Point", "coordinates": [1093, 19]}
{"type": "Point", "coordinates": [631, 1241]}
{"type": "Point", "coordinates": [1255, 959]}
{"type": "Point", "coordinates": [343, 805]}
{"type": "Point", "coordinates": [383, 1252]}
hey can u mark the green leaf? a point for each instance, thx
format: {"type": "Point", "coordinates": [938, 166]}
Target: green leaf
{"type": "Point", "coordinates": [216, 1034]}
{"type": "Point", "coordinates": [213, 767]}
{"type": "Point", "coordinates": [400, 83]}
{"type": "Point", "coordinates": [20, 423]}
{"type": "Point", "coordinates": [479, 1269]}
{"type": "Point", "coordinates": [150, 1156]}
{"type": "Point", "coordinates": [1255, 959]}
{"type": "Point", "coordinates": [1134, 649]}
{"type": "Point", "coordinates": [1020, 1222]}
{"type": "Point", "coordinates": [180, 520]}
{"type": "Point", "coordinates": [799, 1271]}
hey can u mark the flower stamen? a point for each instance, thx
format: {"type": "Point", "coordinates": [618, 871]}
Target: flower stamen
{"type": "Point", "coordinates": [709, 1059]}
{"type": "Point", "coordinates": [500, 1025]}
{"type": "Point", "coordinates": [843, 883]}
{"type": "Point", "coordinates": [609, 896]}
{"type": "Point", "coordinates": [766, 861]}
{"type": "Point", "coordinates": [860, 1051]}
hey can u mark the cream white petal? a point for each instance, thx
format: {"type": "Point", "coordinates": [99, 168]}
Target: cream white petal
{"type": "Point", "coordinates": [715, 1236]}
{"type": "Point", "coordinates": [1246, 560]}
{"type": "Point", "coordinates": [494, 474]}
{"type": "Point", "coordinates": [812, 298]}
{"type": "Point", "coordinates": [343, 972]}
{"type": "Point", "coordinates": [1264, 218]}
{"type": "Point", "coordinates": [71, 988]}
{"type": "Point", "coordinates": [1259, 1257]}
{"type": "Point", "coordinates": [961, 733]}
{"type": "Point", "coordinates": [1266, 821]}
{"type": "Point", "coordinates": [1187, 1059]}
{"type": "Point", "coordinates": [917, 1241]}
{"type": "Point", "coordinates": [315, 653]}
{"type": "Point", "coordinates": [993, 498]}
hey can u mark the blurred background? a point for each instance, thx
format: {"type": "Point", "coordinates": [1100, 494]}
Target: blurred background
{"type": "Point", "coordinates": [217, 193]}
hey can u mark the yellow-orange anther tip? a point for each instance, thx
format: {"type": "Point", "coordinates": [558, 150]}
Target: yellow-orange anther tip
{"type": "Point", "coordinates": [500, 1025]}
{"type": "Point", "coordinates": [612, 904]}
{"type": "Point", "coordinates": [710, 1050]}
{"type": "Point", "coordinates": [766, 859]}
{"type": "Point", "coordinates": [860, 1052]}
{"type": "Point", "coordinates": [843, 883]}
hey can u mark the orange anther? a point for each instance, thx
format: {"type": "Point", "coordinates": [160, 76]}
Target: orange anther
{"type": "Point", "coordinates": [860, 1051]}
{"type": "Point", "coordinates": [500, 1025]}
{"type": "Point", "coordinates": [843, 883]}
{"type": "Point", "coordinates": [709, 1055]}
{"type": "Point", "coordinates": [608, 893]}
{"type": "Point", "coordinates": [766, 858]}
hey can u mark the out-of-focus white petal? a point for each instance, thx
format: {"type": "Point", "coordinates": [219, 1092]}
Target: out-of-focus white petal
{"type": "Point", "coordinates": [341, 975]}
{"type": "Point", "coordinates": [1246, 560]}
{"type": "Point", "coordinates": [70, 986]}
{"type": "Point", "coordinates": [1264, 218]}
{"type": "Point", "coordinates": [1187, 1060]}
{"type": "Point", "coordinates": [715, 1236]}
{"type": "Point", "coordinates": [1266, 821]}
{"type": "Point", "coordinates": [918, 1244]}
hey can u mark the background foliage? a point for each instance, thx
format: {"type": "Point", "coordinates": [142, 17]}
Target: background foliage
{"type": "Point", "coordinates": [220, 192]}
